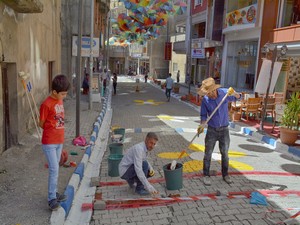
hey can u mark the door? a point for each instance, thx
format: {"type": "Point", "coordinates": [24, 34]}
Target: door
{"type": "Point", "coordinates": [6, 121]}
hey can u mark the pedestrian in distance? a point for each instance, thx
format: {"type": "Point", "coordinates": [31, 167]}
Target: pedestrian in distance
{"type": "Point", "coordinates": [104, 80]}
{"type": "Point", "coordinates": [85, 84]}
{"type": "Point", "coordinates": [178, 76]}
{"type": "Point", "coordinates": [52, 122]}
{"type": "Point", "coordinates": [115, 79]}
{"type": "Point", "coordinates": [146, 76]}
{"type": "Point", "coordinates": [169, 85]}
{"type": "Point", "coordinates": [134, 167]}
{"type": "Point", "coordinates": [217, 126]}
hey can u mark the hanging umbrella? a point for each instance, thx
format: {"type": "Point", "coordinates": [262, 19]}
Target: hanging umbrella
{"type": "Point", "coordinates": [180, 7]}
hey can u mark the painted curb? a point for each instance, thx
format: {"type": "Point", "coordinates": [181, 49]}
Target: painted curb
{"type": "Point", "coordinates": [79, 177]}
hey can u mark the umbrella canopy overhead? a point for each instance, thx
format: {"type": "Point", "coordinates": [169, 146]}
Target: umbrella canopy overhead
{"type": "Point", "coordinates": [144, 19]}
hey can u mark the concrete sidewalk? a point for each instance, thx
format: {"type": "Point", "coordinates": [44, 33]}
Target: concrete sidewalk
{"type": "Point", "coordinates": [23, 175]}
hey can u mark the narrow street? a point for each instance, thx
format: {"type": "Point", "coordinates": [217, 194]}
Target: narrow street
{"type": "Point", "coordinates": [254, 166]}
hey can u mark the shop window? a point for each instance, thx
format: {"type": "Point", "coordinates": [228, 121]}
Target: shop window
{"type": "Point", "coordinates": [290, 12]}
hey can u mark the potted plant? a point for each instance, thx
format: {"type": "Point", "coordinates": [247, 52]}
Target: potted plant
{"type": "Point", "coordinates": [176, 88]}
{"type": "Point", "coordinates": [289, 129]}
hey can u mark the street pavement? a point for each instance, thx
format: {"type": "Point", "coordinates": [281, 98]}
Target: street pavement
{"type": "Point", "coordinates": [254, 166]}
{"type": "Point", "coordinates": [257, 164]}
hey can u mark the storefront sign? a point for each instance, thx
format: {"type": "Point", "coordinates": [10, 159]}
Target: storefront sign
{"type": "Point", "coordinates": [168, 50]}
{"type": "Point", "coordinates": [246, 15]}
{"type": "Point", "coordinates": [198, 53]}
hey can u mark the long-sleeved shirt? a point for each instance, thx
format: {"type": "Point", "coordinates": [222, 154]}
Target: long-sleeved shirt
{"type": "Point", "coordinates": [136, 155]}
{"type": "Point", "coordinates": [220, 118]}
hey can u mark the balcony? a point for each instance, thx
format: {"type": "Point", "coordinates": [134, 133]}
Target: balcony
{"type": "Point", "coordinates": [286, 34]}
{"type": "Point", "coordinates": [25, 6]}
{"type": "Point", "coordinates": [179, 47]}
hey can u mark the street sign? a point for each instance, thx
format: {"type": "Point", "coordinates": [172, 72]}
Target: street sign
{"type": "Point", "coordinates": [85, 46]}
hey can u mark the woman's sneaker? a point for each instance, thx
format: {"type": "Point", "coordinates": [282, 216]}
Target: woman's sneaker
{"type": "Point", "coordinates": [53, 204]}
{"type": "Point", "coordinates": [61, 197]}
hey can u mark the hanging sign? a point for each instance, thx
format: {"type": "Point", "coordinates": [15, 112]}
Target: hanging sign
{"type": "Point", "coordinates": [168, 50]}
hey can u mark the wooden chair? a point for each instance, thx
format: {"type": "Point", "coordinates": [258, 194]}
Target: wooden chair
{"type": "Point", "coordinates": [236, 106]}
{"type": "Point", "coordinates": [270, 107]}
{"type": "Point", "coordinates": [252, 105]}
{"type": "Point", "coordinates": [279, 97]}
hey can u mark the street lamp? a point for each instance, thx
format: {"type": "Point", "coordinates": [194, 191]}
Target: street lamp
{"type": "Point", "coordinates": [267, 50]}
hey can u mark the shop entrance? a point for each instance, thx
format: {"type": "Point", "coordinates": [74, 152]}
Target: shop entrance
{"type": "Point", "coordinates": [241, 64]}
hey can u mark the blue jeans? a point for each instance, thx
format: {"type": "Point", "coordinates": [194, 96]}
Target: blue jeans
{"type": "Point", "coordinates": [168, 92]}
{"type": "Point", "coordinates": [131, 177]}
{"type": "Point", "coordinates": [53, 154]}
{"type": "Point", "coordinates": [212, 136]}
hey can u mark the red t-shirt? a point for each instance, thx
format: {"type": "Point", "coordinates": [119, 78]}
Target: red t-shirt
{"type": "Point", "coordinates": [52, 112]}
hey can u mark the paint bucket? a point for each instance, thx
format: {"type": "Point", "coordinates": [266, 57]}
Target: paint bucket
{"type": "Point", "coordinates": [120, 131]}
{"type": "Point", "coordinates": [116, 149]}
{"type": "Point", "coordinates": [173, 177]}
{"type": "Point", "coordinates": [113, 165]}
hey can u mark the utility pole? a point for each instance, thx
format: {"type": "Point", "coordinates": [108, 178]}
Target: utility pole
{"type": "Point", "coordinates": [91, 56]}
{"type": "Point", "coordinates": [78, 67]}
{"type": "Point", "coordinates": [189, 57]}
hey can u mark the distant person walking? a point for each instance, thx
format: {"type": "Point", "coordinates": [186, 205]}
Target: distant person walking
{"type": "Point", "coordinates": [169, 86]}
{"type": "Point", "coordinates": [52, 122]}
{"type": "Point", "coordinates": [146, 76]}
{"type": "Point", "coordinates": [85, 84]}
{"type": "Point", "coordinates": [115, 79]}
{"type": "Point", "coordinates": [178, 76]}
{"type": "Point", "coordinates": [105, 78]}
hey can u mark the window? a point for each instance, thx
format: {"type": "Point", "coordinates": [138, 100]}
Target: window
{"type": "Point", "coordinates": [198, 2]}
{"type": "Point", "coordinates": [175, 67]}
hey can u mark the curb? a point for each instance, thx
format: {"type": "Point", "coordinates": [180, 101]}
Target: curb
{"type": "Point", "coordinates": [275, 143]}
{"type": "Point", "coordinates": [78, 189]}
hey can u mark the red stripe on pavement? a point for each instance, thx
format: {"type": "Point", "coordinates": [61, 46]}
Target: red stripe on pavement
{"type": "Point", "coordinates": [159, 180]}
{"type": "Point", "coordinates": [136, 203]}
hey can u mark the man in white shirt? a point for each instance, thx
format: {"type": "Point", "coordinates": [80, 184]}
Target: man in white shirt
{"type": "Point", "coordinates": [169, 86]}
{"type": "Point", "coordinates": [134, 167]}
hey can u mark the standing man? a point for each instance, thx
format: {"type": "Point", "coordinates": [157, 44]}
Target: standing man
{"type": "Point", "coordinates": [115, 81]}
{"type": "Point", "coordinates": [178, 76]}
{"type": "Point", "coordinates": [217, 126]}
{"type": "Point", "coordinates": [134, 167]}
{"type": "Point", "coordinates": [52, 122]}
{"type": "Point", "coordinates": [169, 86]}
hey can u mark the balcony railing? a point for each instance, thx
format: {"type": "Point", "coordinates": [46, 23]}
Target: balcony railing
{"type": "Point", "coordinates": [286, 34]}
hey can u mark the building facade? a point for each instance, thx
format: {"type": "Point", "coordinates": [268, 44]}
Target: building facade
{"type": "Point", "coordinates": [29, 45]}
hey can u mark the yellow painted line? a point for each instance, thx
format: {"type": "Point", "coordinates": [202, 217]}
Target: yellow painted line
{"type": "Point", "coordinates": [239, 165]}
{"type": "Point", "coordinates": [171, 155]}
{"type": "Point", "coordinates": [148, 102]}
{"type": "Point", "coordinates": [192, 166]}
{"type": "Point", "coordinates": [235, 154]}
{"type": "Point", "coordinates": [165, 117]}
{"type": "Point", "coordinates": [196, 147]}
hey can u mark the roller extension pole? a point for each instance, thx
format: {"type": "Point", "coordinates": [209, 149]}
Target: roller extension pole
{"type": "Point", "coordinates": [32, 113]}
